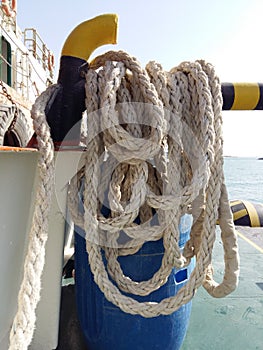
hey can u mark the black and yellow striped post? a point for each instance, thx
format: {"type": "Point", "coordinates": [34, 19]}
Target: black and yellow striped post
{"type": "Point", "coordinates": [246, 213]}
{"type": "Point", "coordinates": [242, 96]}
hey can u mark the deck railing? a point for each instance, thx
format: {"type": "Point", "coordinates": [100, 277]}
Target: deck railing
{"type": "Point", "coordinates": [38, 48]}
{"type": "Point", "coordinates": [242, 96]}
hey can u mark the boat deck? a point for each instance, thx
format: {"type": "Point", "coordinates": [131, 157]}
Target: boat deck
{"type": "Point", "coordinates": [236, 321]}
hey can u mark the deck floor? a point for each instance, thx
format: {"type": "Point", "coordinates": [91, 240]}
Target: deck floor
{"type": "Point", "coordinates": [236, 321]}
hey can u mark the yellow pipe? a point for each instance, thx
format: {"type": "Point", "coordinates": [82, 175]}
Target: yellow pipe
{"type": "Point", "coordinates": [90, 35]}
{"type": "Point", "coordinates": [253, 215]}
{"type": "Point", "coordinates": [246, 96]}
{"type": "Point", "coordinates": [242, 96]}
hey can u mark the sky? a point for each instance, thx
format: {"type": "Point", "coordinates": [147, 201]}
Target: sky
{"type": "Point", "coordinates": [226, 33]}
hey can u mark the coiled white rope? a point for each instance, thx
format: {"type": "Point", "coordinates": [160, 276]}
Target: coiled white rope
{"type": "Point", "coordinates": [138, 115]}
{"type": "Point", "coordinates": [133, 113]}
{"type": "Point", "coordinates": [24, 322]}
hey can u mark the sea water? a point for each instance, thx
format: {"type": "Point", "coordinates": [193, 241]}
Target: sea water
{"type": "Point", "coordinates": [244, 178]}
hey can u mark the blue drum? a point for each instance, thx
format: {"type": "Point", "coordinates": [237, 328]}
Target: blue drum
{"type": "Point", "coordinates": [106, 327]}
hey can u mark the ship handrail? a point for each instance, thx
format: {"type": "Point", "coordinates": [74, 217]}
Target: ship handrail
{"type": "Point", "coordinates": [23, 74]}
{"type": "Point", "coordinates": [37, 43]}
{"type": "Point", "coordinates": [21, 71]}
{"type": "Point", "coordinates": [26, 49]}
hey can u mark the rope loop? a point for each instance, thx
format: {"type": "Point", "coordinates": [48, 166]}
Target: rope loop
{"type": "Point", "coordinates": [29, 294]}
{"type": "Point", "coordinates": [154, 152]}
{"type": "Point", "coordinates": [159, 152]}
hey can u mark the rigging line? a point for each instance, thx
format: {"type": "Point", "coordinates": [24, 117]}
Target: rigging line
{"type": "Point", "coordinates": [14, 68]}
{"type": "Point", "coordinates": [21, 73]}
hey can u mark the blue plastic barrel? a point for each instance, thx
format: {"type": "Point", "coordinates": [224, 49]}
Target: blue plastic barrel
{"type": "Point", "coordinates": [106, 327]}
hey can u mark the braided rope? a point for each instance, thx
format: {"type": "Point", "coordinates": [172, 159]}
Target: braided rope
{"type": "Point", "coordinates": [24, 322]}
{"type": "Point", "coordinates": [137, 115]}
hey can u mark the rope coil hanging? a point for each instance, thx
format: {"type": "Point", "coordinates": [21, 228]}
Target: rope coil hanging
{"type": "Point", "coordinates": [162, 132]}
{"type": "Point", "coordinates": [136, 115]}
{"type": "Point", "coordinates": [29, 294]}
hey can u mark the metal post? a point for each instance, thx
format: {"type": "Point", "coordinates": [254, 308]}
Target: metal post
{"type": "Point", "coordinates": [242, 96]}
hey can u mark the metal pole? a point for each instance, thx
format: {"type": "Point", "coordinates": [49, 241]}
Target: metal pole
{"type": "Point", "coordinates": [242, 96]}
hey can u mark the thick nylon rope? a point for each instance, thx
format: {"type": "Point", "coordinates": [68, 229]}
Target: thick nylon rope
{"type": "Point", "coordinates": [29, 295]}
{"type": "Point", "coordinates": [180, 109]}
{"type": "Point", "coordinates": [180, 128]}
